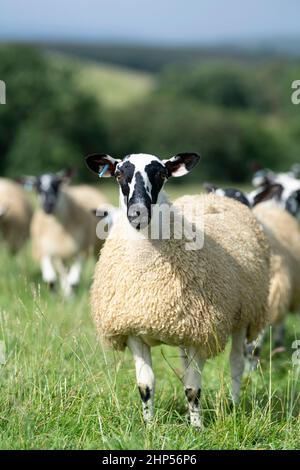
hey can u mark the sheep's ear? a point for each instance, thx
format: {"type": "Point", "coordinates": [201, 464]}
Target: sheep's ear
{"type": "Point", "coordinates": [102, 164]}
{"type": "Point", "coordinates": [209, 187]}
{"type": "Point", "coordinates": [269, 192]}
{"type": "Point", "coordinates": [28, 182]}
{"type": "Point", "coordinates": [181, 164]}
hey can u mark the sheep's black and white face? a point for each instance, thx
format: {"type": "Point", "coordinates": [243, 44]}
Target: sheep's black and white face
{"type": "Point", "coordinates": [292, 204]}
{"type": "Point", "coordinates": [286, 193]}
{"type": "Point", "coordinates": [48, 188]}
{"type": "Point", "coordinates": [141, 178]}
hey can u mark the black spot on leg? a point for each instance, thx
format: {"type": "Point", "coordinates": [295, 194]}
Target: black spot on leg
{"type": "Point", "coordinates": [145, 393]}
{"type": "Point", "coordinates": [52, 286]}
{"type": "Point", "coordinates": [193, 395]}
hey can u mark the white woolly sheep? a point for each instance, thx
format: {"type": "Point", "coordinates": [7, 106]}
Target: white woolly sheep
{"type": "Point", "coordinates": [63, 230]}
{"type": "Point", "coordinates": [15, 214]}
{"type": "Point", "coordinates": [289, 196]}
{"type": "Point", "coordinates": [157, 289]}
{"type": "Point", "coordinates": [283, 234]}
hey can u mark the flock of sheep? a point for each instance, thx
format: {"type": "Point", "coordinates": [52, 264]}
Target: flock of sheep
{"type": "Point", "coordinates": [149, 290]}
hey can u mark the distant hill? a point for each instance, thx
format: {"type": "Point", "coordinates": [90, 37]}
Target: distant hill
{"type": "Point", "coordinates": [115, 86]}
{"type": "Point", "coordinates": [154, 58]}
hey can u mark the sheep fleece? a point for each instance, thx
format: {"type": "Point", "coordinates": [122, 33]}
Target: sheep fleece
{"type": "Point", "coordinates": [15, 223]}
{"type": "Point", "coordinates": [283, 232]}
{"type": "Point", "coordinates": [160, 291]}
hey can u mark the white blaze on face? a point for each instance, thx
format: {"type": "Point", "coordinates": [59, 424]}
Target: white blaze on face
{"type": "Point", "coordinates": [140, 161]}
{"type": "Point", "coordinates": [46, 181]}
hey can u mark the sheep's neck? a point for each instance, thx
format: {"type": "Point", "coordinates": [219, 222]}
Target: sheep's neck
{"type": "Point", "coordinates": [65, 208]}
{"type": "Point", "coordinates": [161, 228]}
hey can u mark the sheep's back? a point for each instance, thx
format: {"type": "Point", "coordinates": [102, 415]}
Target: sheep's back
{"type": "Point", "coordinates": [88, 197]}
{"type": "Point", "coordinates": [167, 294]}
{"type": "Point", "coordinates": [63, 235]}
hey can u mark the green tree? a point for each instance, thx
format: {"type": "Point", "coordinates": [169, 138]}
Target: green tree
{"type": "Point", "coordinates": [48, 122]}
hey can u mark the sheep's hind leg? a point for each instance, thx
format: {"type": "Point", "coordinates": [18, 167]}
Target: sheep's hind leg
{"type": "Point", "coordinates": [63, 278]}
{"type": "Point", "coordinates": [279, 335]}
{"type": "Point", "coordinates": [144, 374]}
{"type": "Point", "coordinates": [237, 362]}
{"type": "Point", "coordinates": [193, 366]}
{"type": "Point", "coordinates": [48, 271]}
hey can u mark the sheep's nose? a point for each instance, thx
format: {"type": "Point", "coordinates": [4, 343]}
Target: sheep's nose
{"type": "Point", "coordinates": [138, 216]}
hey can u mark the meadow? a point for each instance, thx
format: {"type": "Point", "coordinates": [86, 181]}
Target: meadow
{"type": "Point", "coordinates": [59, 389]}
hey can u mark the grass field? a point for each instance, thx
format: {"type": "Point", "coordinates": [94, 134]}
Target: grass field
{"type": "Point", "coordinates": [59, 389]}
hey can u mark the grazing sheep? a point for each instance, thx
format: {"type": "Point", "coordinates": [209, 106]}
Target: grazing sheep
{"type": "Point", "coordinates": [15, 214]}
{"type": "Point", "coordinates": [157, 289]}
{"type": "Point", "coordinates": [289, 196]}
{"type": "Point", "coordinates": [283, 235]}
{"type": "Point", "coordinates": [63, 230]}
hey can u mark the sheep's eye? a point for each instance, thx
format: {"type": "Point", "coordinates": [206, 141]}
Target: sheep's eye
{"type": "Point", "coordinates": [118, 175]}
{"type": "Point", "coordinates": [162, 175]}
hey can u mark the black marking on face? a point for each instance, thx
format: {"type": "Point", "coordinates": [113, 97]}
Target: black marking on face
{"type": "Point", "coordinates": [124, 174]}
{"type": "Point", "coordinates": [157, 174]}
{"type": "Point", "coordinates": [145, 393]}
{"type": "Point", "coordinates": [292, 204]}
{"type": "Point", "coordinates": [193, 395]}
{"type": "Point", "coordinates": [140, 186]}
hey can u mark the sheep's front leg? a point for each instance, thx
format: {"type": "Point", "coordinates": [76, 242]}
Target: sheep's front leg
{"type": "Point", "coordinates": [48, 271]}
{"type": "Point", "coordinates": [193, 366]}
{"type": "Point", "coordinates": [75, 272]}
{"type": "Point", "coordinates": [144, 374]}
{"type": "Point", "coordinates": [237, 362]}
{"type": "Point", "coordinates": [64, 279]}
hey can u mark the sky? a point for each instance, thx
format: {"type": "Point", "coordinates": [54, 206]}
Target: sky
{"type": "Point", "coordinates": [152, 21]}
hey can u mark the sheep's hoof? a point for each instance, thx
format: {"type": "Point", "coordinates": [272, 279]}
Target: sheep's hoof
{"type": "Point", "coordinates": [252, 363]}
{"type": "Point", "coordinates": [196, 423]}
{"type": "Point", "coordinates": [51, 286]}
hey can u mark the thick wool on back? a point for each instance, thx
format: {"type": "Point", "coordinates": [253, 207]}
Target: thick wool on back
{"type": "Point", "coordinates": [15, 223]}
{"type": "Point", "coordinates": [283, 232]}
{"type": "Point", "coordinates": [166, 294]}
{"type": "Point", "coordinates": [66, 235]}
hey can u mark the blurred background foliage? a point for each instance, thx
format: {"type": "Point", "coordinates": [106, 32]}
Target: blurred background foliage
{"type": "Point", "coordinates": [235, 111]}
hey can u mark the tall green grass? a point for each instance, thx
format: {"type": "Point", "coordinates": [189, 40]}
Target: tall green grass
{"type": "Point", "coordinates": [59, 389]}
